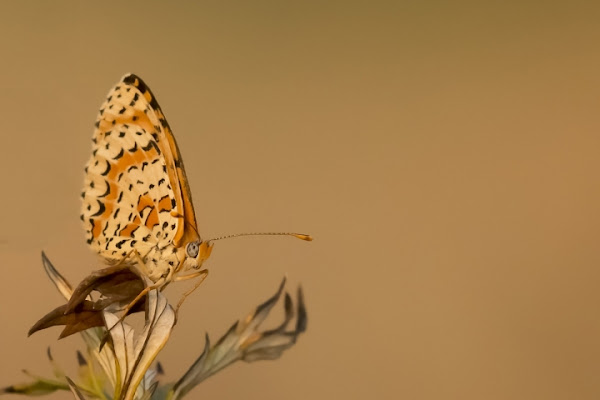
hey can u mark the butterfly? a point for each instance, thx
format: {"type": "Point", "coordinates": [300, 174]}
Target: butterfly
{"type": "Point", "coordinates": [137, 212]}
{"type": "Point", "coordinates": [137, 206]}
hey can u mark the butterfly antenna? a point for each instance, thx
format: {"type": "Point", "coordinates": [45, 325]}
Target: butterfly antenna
{"type": "Point", "coordinates": [301, 236]}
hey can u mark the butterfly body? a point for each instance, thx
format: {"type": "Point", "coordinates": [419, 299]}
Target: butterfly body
{"type": "Point", "coordinates": [137, 208]}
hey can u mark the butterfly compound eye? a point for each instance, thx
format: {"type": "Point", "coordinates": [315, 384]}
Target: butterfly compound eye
{"type": "Point", "coordinates": [192, 249]}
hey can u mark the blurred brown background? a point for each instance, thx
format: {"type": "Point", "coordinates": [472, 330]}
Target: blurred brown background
{"type": "Point", "coordinates": [443, 154]}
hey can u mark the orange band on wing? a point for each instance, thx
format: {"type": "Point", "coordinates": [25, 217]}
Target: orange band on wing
{"type": "Point", "coordinates": [96, 228]}
{"type": "Point", "coordinates": [164, 204]}
{"type": "Point", "coordinates": [145, 201]}
{"type": "Point", "coordinates": [130, 228]}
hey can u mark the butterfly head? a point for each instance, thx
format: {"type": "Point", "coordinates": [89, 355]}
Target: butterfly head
{"type": "Point", "coordinates": [196, 252]}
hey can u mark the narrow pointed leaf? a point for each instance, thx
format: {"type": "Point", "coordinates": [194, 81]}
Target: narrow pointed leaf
{"type": "Point", "coordinates": [36, 388]}
{"type": "Point", "coordinates": [75, 390]}
{"type": "Point", "coordinates": [243, 341]}
{"type": "Point", "coordinates": [63, 286]}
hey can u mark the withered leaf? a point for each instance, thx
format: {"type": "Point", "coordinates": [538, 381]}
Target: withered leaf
{"type": "Point", "coordinates": [117, 284]}
{"type": "Point", "coordinates": [85, 317]}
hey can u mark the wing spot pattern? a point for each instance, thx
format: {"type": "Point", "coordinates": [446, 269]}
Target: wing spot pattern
{"type": "Point", "coordinates": [137, 169]}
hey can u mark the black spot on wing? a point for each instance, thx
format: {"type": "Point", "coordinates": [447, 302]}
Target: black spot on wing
{"type": "Point", "coordinates": [130, 79]}
{"type": "Point", "coordinates": [93, 223]}
{"type": "Point", "coordinates": [107, 192]}
{"type": "Point", "coordinates": [104, 230]}
{"type": "Point", "coordinates": [150, 145]}
{"type": "Point", "coordinates": [136, 81]}
{"type": "Point", "coordinates": [107, 169]}
{"type": "Point", "coordinates": [120, 154]}
{"type": "Point", "coordinates": [101, 209]}
{"type": "Point", "coordinates": [136, 96]}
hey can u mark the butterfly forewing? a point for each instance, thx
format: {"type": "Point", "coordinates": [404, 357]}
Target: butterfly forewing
{"type": "Point", "coordinates": [135, 195]}
{"type": "Point", "coordinates": [176, 170]}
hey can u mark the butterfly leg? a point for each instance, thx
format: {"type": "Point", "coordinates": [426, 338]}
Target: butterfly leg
{"type": "Point", "coordinates": [202, 274]}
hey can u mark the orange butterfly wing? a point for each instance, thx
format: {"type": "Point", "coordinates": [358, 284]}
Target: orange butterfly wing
{"type": "Point", "coordinates": [136, 194]}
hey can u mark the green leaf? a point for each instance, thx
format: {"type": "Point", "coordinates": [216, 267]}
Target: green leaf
{"type": "Point", "coordinates": [38, 387]}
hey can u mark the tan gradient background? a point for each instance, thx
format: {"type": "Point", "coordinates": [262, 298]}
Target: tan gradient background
{"type": "Point", "coordinates": [443, 154]}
